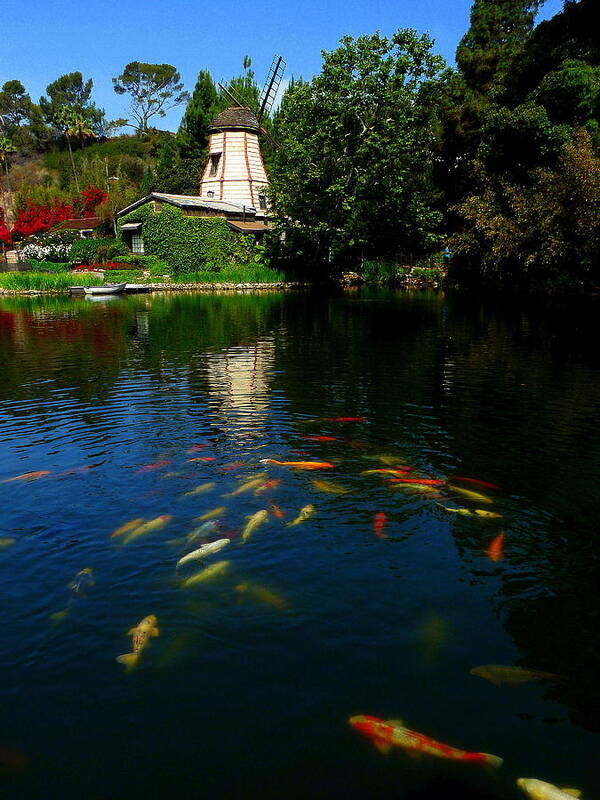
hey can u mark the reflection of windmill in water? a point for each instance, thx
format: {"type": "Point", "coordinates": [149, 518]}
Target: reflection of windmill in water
{"type": "Point", "coordinates": [235, 169]}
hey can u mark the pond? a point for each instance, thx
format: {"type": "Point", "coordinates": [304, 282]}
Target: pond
{"type": "Point", "coordinates": [168, 413]}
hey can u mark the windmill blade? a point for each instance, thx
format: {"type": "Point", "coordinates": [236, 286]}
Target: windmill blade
{"type": "Point", "coordinates": [271, 87]}
{"type": "Point", "coordinates": [231, 95]}
{"type": "Point", "coordinates": [273, 141]}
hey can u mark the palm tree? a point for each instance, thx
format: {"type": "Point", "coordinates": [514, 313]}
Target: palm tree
{"type": "Point", "coordinates": [6, 148]}
{"type": "Point", "coordinates": [74, 125]}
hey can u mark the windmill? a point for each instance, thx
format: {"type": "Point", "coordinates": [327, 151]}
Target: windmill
{"type": "Point", "coordinates": [235, 170]}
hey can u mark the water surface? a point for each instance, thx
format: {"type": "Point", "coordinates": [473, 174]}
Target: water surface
{"type": "Point", "coordinates": [246, 693]}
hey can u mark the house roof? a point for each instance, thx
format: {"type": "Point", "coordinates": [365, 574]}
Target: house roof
{"type": "Point", "coordinates": [190, 201]}
{"type": "Point", "coordinates": [254, 226]}
{"type": "Point", "coordinates": [87, 223]}
{"type": "Point", "coordinates": [236, 118]}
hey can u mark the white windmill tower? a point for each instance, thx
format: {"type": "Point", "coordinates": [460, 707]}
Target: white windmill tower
{"type": "Point", "coordinates": [235, 170]}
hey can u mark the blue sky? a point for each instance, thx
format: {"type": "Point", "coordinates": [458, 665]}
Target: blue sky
{"type": "Point", "coordinates": [42, 40]}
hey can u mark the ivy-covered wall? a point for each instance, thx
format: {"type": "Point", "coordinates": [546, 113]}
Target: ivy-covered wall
{"type": "Point", "coordinates": [187, 244]}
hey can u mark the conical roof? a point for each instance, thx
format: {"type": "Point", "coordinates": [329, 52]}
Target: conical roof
{"type": "Point", "coordinates": [236, 118]}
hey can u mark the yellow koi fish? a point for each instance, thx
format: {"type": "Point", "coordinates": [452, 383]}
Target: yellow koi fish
{"type": "Point", "coordinates": [476, 512]}
{"type": "Point", "coordinates": [387, 471]}
{"type": "Point", "coordinates": [207, 574]}
{"type": "Point", "coordinates": [202, 552]}
{"type": "Point", "coordinates": [304, 514]}
{"type": "Point", "coordinates": [245, 487]}
{"type": "Point", "coordinates": [540, 790]}
{"type": "Point", "coordinates": [330, 487]}
{"type": "Point", "coordinates": [141, 634]}
{"type": "Point", "coordinates": [471, 495]}
{"type": "Point", "coordinates": [128, 526]}
{"type": "Point", "coordinates": [148, 527]}
{"type": "Point", "coordinates": [6, 541]}
{"type": "Point", "coordinates": [215, 512]}
{"type": "Point", "coordinates": [254, 521]}
{"type": "Point", "coordinates": [513, 676]}
{"type": "Point", "coordinates": [204, 487]}
{"type": "Point", "coordinates": [258, 594]}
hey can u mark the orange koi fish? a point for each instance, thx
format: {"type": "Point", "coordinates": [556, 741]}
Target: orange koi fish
{"type": "Point", "coordinates": [128, 526]}
{"type": "Point", "coordinates": [276, 511]}
{"type": "Point", "coordinates": [379, 521]}
{"type": "Point", "coordinates": [298, 464]}
{"type": "Point", "coordinates": [495, 550]}
{"type": "Point", "coordinates": [320, 438]}
{"type": "Point", "coordinates": [155, 465]}
{"type": "Point", "coordinates": [28, 476]}
{"type": "Point", "coordinates": [386, 734]}
{"type": "Point", "coordinates": [344, 419]}
{"type": "Point", "coordinates": [419, 481]}
{"type": "Point", "coordinates": [201, 458]}
{"type": "Point", "coordinates": [389, 471]}
{"type": "Point", "coordinates": [272, 484]}
{"type": "Point", "coordinates": [195, 447]}
{"type": "Point", "coordinates": [485, 484]}
{"type": "Point", "coordinates": [232, 466]}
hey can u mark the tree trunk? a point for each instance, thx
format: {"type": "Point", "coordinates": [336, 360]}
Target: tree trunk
{"type": "Point", "coordinates": [73, 163]}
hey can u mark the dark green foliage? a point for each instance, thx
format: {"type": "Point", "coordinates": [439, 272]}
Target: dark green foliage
{"type": "Point", "coordinates": [150, 263]}
{"type": "Point", "coordinates": [571, 94]}
{"type": "Point", "coordinates": [192, 136]}
{"type": "Point", "coordinates": [71, 92]}
{"type": "Point", "coordinates": [90, 251]}
{"type": "Point", "coordinates": [49, 266]}
{"type": "Point", "coordinates": [187, 244]}
{"type": "Point", "coordinates": [15, 105]}
{"type": "Point", "coordinates": [173, 174]}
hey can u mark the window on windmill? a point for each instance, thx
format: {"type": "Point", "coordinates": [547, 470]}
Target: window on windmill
{"type": "Point", "coordinates": [262, 202]}
{"type": "Point", "coordinates": [214, 163]}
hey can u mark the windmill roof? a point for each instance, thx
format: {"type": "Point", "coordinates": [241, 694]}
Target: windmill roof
{"type": "Point", "coordinates": [236, 117]}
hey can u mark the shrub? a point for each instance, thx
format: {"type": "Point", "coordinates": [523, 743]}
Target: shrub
{"type": "Point", "coordinates": [48, 266]}
{"type": "Point", "coordinates": [50, 246]}
{"type": "Point", "coordinates": [153, 264]}
{"type": "Point", "coordinates": [251, 274]}
{"type": "Point", "coordinates": [106, 252]}
{"type": "Point", "coordinates": [85, 251]}
{"type": "Point", "coordinates": [379, 271]}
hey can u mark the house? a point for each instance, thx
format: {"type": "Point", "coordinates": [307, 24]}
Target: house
{"type": "Point", "coordinates": [87, 226]}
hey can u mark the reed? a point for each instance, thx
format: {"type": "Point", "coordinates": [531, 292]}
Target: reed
{"type": "Point", "coordinates": [44, 282]}
{"type": "Point", "coordinates": [250, 274]}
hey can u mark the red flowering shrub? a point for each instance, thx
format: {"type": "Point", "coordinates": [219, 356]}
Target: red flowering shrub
{"type": "Point", "coordinates": [91, 198]}
{"type": "Point", "coordinates": [5, 236]}
{"type": "Point", "coordinates": [37, 218]}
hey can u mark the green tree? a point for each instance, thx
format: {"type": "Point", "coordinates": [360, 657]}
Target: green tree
{"type": "Point", "coordinates": [70, 91]}
{"type": "Point", "coordinates": [15, 105]}
{"type": "Point", "coordinates": [353, 173]}
{"type": "Point", "coordinates": [75, 126]}
{"type": "Point", "coordinates": [192, 136]}
{"type": "Point", "coordinates": [498, 32]}
{"type": "Point", "coordinates": [154, 89]}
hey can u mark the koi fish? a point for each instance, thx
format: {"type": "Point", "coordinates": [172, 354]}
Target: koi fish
{"type": "Point", "coordinates": [83, 581]}
{"type": "Point", "coordinates": [485, 484]}
{"type": "Point", "coordinates": [254, 521]}
{"type": "Point", "coordinates": [232, 466]}
{"type": "Point", "coordinates": [215, 512]}
{"type": "Point", "coordinates": [495, 550]}
{"type": "Point", "coordinates": [388, 471]}
{"type": "Point", "coordinates": [273, 484]}
{"type": "Point", "coordinates": [201, 458]}
{"type": "Point", "coordinates": [379, 521]}
{"type": "Point", "coordinates": [512, 676]}
{"type": "Point", "coordinates": [206, 529]}
{"type": "Point", "coordinates": [204, 487]}
{"type": "Point", "coordinates": [386, 734]}
{"type": "Point", "coordinates": [6, 541]}
{"type": "Point", "coordinates": [276, 511]}
{"type": "Point", "coordinates": [476, 512]}
{"type": "Point", "coordinates": [259, 594]}
{"type": "Point", "coordinates": [195, 447]}
{"type": "Point", "coordinates": [330, 487]}
{"type": "Point", "coordinates": [202, 552]}
{"type": "Point", "coordinates": [246, 487]}
{"type": "Point", "coordinates": [304, 514]}
{"type": "Point", "coordinates": [298, 464]}
{"type": "Point", "coordinates": [343, 419]}
{"type": "Point", "coordinates": [141, 634]}
{"type": "Point", "coordinates": [216, 570]}
{"type": "Point", "coordinates": [419, 481]}
{"type": "Point", "coordinates": [128, 526]}
{"type": "Point", "coordinates": [148, 527]}
{"type": "Point", "coordinates": [470, 495]}
{"type": "Point", "coordinates": [320, 438]}
{"type": "Point", "coordinates": [28, 476]}
{"type": "Point", "coordinates": [156, 465]}
{"type": "Point", "coordinates": [540, 790]}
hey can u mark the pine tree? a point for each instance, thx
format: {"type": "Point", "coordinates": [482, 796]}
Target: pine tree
{"type": "Point", "coordinates": [498, 32]}
{"type": "Point", "coordinates": [192, 136]}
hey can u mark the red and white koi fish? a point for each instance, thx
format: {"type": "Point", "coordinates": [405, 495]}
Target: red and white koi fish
{"type": "Point", "coordinates": [391, 733]}
{"type": "Point", "coordinates": [298, 464]}
{"type": "Point", "coordinates": [379, 521]}
{"type": "Point", "coordinates": [28, 476]}
{"type": "Point", "coordinates": [232, 466]}
{"type": "Point", "coordinates": [320, 438]}
{"type": "Point", "coordinates": [485, 484]}
{"type": "Point", "coordinates": [419, 481]}
{"type": "Point", "coordinates": [264, 487]}
{"type": "Point", "coordinates": [495, 550]}
{"type": "Point", "coordinates": [156, 465]}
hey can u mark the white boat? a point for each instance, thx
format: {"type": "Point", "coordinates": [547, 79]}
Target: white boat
{"type": "Point", "coordinates": [115, 288]}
